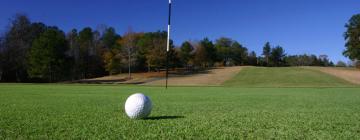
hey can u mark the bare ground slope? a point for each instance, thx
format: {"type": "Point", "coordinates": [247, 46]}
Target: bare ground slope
{"type": "Point", "coordinates": [137, 78]}
{"type": "Point", "coordinates": [213, 77]}
{"type": "Point", "coordinates": [348, 74]}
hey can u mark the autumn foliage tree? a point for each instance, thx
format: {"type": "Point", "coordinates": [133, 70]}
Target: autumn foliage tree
{"type": "Point", "coordinates": [156, 55]}
{"type": "Point", "coordinates": [112, 60]}
{"type": "Point", "coordinates": [112, 57]}
{"type": "Point", "coordinates": [129, 46]}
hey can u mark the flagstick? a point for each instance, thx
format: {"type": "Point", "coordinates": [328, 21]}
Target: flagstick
{"type": "Point", "coordinates": [168, 47]}
{"type": "Point", "coordinates": [167, 69]}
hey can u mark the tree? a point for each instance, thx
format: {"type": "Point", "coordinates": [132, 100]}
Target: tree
{"type": "Point", "coordinates": [74, 53]}
{"type": "Point", "coordinates": [324, 60]}
{"type": "Point", "coordinates": [340, 64]}
{"type": "Point", "coordinates": [205, 54]}
{"type": "Point", "coordinates": [144, 45]}
{"type": "Point", "coordinates": [211, 52]}
{"type": "Point", "coordinates": [91, 63]}
{"type": "Point", "coordinates": [112, 55]}
{"type": "Point", "coordinates": [17, 42]}
{"type": "Point", "coordinates": [200, 57]}
{"type": "Point", "coordinates": [238, 53]}
{"type": "Point", "coordinates": [128, 43]}
{"type": "Point", "coordinates": [1, 57]}
{"type": "Point", "coordinates": [307, 60]}
{"type": "Point", "coordinates": [85, 40]}
{"type": "Point", "coordinates": [47, 56]}
{"type": "Point", "coordinates": [277, 56]}
{"type": "Point", "coordinates": [252, 59]}
{"type": "Point", "coordinates": [112, 60]}
{"type": "Point", "coordinates": [267, 52]}
{"type": "Point", "coordinates": [110, 38]}
{"type": "Point", "coordinates": [298, 60]}
{"type": "Point", "coordinates": [156, 54]}
{"type": "Point", "coordinates": [173, 59]}
{"type": "Point", "coordinates": [98, 64]}
{"type": "Point", "coordinates": [186, 50]}
{"type": "Point", "coordinates": [352, 37]}
{"type": "Point", "coordinates": [223, 52]}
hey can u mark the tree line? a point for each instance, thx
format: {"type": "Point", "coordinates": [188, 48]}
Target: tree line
{"type": "Point", "coordinates": [35, 52]}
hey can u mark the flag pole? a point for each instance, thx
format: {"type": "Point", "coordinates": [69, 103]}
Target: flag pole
{"type": "Point", "coordinates": [168, 46]}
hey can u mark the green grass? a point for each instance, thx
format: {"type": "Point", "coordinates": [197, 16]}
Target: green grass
{"type": "Point", "coordinates": [96, 112]}
{"type": "Point", "coordinates": [284, 77]}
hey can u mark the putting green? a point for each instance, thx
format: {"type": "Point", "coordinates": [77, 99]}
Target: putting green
{"type": "Point", "coordinates": [29, 111]}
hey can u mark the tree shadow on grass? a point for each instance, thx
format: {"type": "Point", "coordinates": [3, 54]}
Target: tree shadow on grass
{"type": "Point", "coordinates": [164, 117]}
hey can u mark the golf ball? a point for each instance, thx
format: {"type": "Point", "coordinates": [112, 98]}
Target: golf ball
{"type": "Point", "coordinates": [138, 106]}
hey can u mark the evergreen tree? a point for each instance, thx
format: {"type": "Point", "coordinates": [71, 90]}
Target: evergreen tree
{"type": "Point", "coordinates": [277, 56]}
{"type": "Point", "coordinates": [47, 56]}
{"type": "Point", "coordinates": [267, 52]}
{"type": "Point", "coordinates": [186, 53]}
{"type": "Point", "coordinates": [252, 59]}
{"type": "Point", "coordinates": [223, 50]}
{"type": "Point", "coordinates": [238, 53]}
{"type": "Point", "coordinates": [352, 37]}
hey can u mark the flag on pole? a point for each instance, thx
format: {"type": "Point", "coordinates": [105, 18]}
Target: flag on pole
{"type": "Point", "coordinates": [169, 23]}
{"type": "Point", "coordinates": [168, 46]}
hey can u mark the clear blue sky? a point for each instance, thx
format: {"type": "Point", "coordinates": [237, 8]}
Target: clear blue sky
{"type": "Point", "coordinates": [300, 26]}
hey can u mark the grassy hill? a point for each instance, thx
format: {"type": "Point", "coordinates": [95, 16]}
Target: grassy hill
{"type": "Point", "coordinates": [284, 77]}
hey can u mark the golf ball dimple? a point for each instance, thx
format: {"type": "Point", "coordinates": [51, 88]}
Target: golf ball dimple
{"type": "Point", "coordinates": [138, 106]}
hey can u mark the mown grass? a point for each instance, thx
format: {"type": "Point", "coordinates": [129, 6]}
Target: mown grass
{"type": "Point", "coordinates": [96, 112]}
{"type": "Point", "coordinates": [284, 77]}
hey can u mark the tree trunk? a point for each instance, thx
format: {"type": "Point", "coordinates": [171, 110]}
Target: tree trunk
{"type": "Point", "coordinates": [1, 74]}
{"type": "Point", "coordinates": [129, 52]}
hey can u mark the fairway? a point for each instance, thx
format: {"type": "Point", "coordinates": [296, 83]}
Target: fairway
{"type": "Point", "coordinates": [97, 112]}
{"type": "Point", "coordinates": [284, 77]}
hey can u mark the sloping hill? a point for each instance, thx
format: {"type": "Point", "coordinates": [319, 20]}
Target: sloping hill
{"type": "Point", "coordinates": [349, 74]}
{"type": "Point", "coordinates": [212, 77]}
{"type": "Point", "coordinates": [285, 77]}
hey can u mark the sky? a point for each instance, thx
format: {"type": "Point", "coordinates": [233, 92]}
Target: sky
{"type": "Point", "coordinates": [300, 26]}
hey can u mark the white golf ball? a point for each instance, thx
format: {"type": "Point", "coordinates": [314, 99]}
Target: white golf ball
{"type": "Point", "coordinates": [138, 106]}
